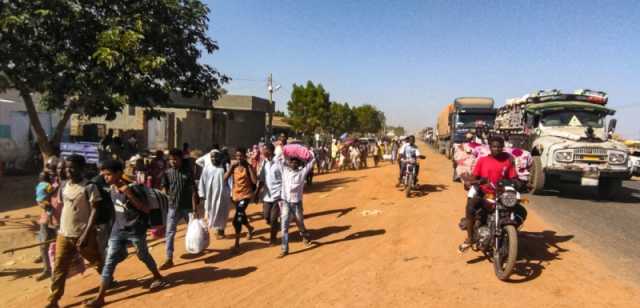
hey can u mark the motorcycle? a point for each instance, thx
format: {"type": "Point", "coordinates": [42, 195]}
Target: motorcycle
{"type": "Point", "coordinates": [495, 231]}
{"type": "Point", "coordinates": [410, 175]}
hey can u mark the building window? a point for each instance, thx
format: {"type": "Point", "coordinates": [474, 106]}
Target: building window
{"type": "Point", "coordinates": [132, 110]}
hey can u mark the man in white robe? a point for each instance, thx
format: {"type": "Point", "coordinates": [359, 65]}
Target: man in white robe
{"type": "Point", "coordinates": [214, 191]}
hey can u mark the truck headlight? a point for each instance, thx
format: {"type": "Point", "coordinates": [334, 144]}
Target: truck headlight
{"type": "Point", "coordinates": [563, 156]}
{"type": "Point", "coordinates": [617, 157]}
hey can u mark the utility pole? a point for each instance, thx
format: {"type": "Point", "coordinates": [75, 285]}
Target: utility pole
{"type": "Point", "coordinates": [272, 107]}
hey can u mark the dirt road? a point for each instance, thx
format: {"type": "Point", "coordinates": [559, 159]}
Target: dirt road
{"type": "Point", "coordinates": [374, 248]}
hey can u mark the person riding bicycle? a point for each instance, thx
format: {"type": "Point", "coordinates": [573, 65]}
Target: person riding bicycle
{"type": "Point", "coordinates": [408, 151]}
{"type": "Point", "coordinates": [487, 173]}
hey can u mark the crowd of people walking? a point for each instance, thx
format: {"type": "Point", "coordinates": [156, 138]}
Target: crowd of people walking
{"type": "Point", "coordinates": [97, 217]}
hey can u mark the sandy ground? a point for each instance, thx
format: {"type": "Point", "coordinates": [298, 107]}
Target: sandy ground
{"type": "Point", "coordinates": [373, 248]}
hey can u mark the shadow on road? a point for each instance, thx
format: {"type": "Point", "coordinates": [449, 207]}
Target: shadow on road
{"type": "Point", "coordinates": [328, 185]}
{"type": "Point", "coordinates": [193, 276]}
{"type": "Point", "coordinates": [627, 194]}
{"type": "Point", "coordinates": [18, 273]}
{"type": "Point", "coordinates": [350, 237]}
{"type": "Point", "coordinates": [340, 212]}
{"type": "Point", "coordinates": [536, 250]}
{"type": "Point", "coordinates": [28, 223]}
{"type": "Point", "coordinates": [425, 189]}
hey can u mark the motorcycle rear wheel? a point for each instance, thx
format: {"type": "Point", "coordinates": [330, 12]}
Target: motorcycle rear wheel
{"type": "Point", "coordinates": [503, 265]}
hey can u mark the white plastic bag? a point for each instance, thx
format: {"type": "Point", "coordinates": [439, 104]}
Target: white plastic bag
{"type": "Point", "coordinates": [197, 239]}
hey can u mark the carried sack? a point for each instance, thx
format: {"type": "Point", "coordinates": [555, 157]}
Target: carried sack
{"type": "Point", "coordinates": [135, 217]}
{"type": "Point", "coordinates": [297, 151]}
{"type": "Point", "coordinates": [197, 239]}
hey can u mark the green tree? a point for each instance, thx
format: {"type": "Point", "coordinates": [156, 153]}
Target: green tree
{"type": "Point", "coordinates": [309, 108]}
{"type": "Point", "coordinates": [341, 118]}
{"type": "Point", "coordinates": [279, 113]}
{"type": "Point", "coordinates": [397, 130]}
{"type": "Point", "coordinates": [369, 119]}
{"type": "Point", "coordinates": [95, 57]}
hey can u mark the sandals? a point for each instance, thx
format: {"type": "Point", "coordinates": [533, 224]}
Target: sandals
{"type": "Point", "coordinates": [250, 232]}
{"type": "Point", "coordinates": [93, 303]}
{"type": "Point", "coordinates": [158, 284]}
{"type": "Point", "coordinates": [464, 247]}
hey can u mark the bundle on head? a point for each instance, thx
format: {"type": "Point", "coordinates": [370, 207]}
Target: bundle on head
{"type": "Point", "coordinates": [297, 151]}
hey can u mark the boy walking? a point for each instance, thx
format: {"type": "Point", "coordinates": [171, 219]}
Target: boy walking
{"type": "Point", "coordinates": [77, 226]}
{"type": "Point", "coordinates": [178, 183]}
{"type": "Point", "coordinates": [293, 179]}
{"type": "Point", "coordinates": [244, 181]}
{"type": "Point", "coordinates": [130, 226]}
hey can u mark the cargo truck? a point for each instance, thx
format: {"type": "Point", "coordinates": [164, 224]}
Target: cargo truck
{"type": "Point", "coordinates": [568, 138]}
{"type": "Point", "coordinates": [464, 115]}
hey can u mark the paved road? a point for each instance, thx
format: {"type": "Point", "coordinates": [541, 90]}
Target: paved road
{"type": "Point", "coordinates": [609, 229]}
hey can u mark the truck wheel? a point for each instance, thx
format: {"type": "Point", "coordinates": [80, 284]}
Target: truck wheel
{"type": "Point", "coordinates": [608, 188]}
{"type": "Point", "coordinates": [537, 177]}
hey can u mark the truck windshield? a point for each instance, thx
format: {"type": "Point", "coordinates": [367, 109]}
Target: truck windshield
{"type": "Point", "coordinates": [576, 118]}
{"type": "Point", "coordinates": [472, 120]}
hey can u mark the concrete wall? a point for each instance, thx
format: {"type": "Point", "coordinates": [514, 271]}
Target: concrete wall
{"type": "Point", "coordinates": [16, 129]}
{"type": "Point", "coordinates": [245, 128]}
{"type": "Point", "coordinates": [192, 126]}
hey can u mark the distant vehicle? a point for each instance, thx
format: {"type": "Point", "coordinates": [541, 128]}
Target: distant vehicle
{"type": "Point", "coordinates": [464, 115]}
{"type": "Point", "coordinates": [568, 138]}
{"type": "Point", "coordinates": [428, 135]}
{"type": "Point", "coordinates": [634, 162]}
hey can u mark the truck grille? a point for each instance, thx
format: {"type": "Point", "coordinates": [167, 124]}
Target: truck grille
{"type": "Point", "coordinates": [591, 154]}
{"type": "Point", "coordinates": [590, 151]}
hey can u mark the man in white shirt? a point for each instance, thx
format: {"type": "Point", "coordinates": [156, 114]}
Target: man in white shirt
{"type": "Point", "coordinates": [270, 178]}
{"type": "Point", "coordinates": [409, 150]}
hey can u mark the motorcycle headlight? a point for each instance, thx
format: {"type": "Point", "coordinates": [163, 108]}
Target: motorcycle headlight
{"type": "Point", "coordinates": [563, 156]}
{"type": "Point", "coordinates": [617, 157]}
{"type": "Point", "coordinates": [509, 198]}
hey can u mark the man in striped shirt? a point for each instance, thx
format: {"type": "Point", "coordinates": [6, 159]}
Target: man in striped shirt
{"type": "Point", "coordinates": [179, 184]}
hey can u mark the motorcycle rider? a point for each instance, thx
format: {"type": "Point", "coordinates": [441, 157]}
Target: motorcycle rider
{"type": "Point", "coordinates": [408, 150]}
{"type": "Point", "coordinates": [488, 170]}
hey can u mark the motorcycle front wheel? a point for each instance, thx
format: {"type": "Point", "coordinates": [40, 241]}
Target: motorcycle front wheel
{"type": "Point", "coordinates": [506, 254]}
{"type": "Point", "coordinates": [410, 182]}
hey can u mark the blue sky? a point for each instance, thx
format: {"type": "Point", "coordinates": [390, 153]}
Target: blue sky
{"type": "Point", "coordinates": [410, 58]}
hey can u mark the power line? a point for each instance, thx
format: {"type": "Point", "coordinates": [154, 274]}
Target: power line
{"type": "Point", "coordinates": [246, 79]}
